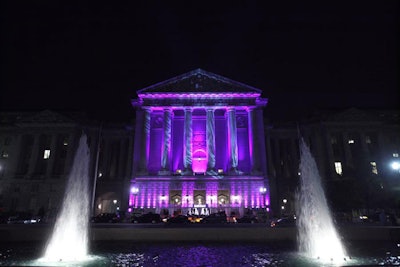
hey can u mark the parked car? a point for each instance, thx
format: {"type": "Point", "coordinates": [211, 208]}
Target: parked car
{"type": "Point", "coordinates": [195, 218]}
{"type": "Point", "coordinates": [106, 218]}
{"type": "Point", "coordinates": [22, 218]}
{"type": "Point", "coordinates": [288, 221]}
{"type": "Point", "coordinates": [219, 217]}
{"type": "Point", "coordinates": [247, 219]}
{"type": "Point", "coordinates": [382, 218]}
{"type": "Point", "coordinates": [147, 218]}
{"type": "Point", "coordinates": [178, 219]}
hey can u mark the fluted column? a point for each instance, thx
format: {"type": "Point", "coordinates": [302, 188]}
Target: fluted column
{"type": "Point", "coordinates": [210, 133]}
{"type": "Point", "coordinates": [253, 141]}
{"type": "Point", "coordinates": [232, 141]}
{"type": "Point", "coordinates": [187, 152]}
{"type": "Point", "coordinates": [145, 143]}
{"type": "Point", "coordinates": [165, 157]}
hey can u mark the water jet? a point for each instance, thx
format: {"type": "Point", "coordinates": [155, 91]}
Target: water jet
{"type": "Point", "coordinates": [317, 235]}
{"type": "Point", "coordinates": [69, 241]}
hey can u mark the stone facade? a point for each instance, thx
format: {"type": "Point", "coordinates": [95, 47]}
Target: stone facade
{"type": "Point", "coordinates": [199, 144]}
{"type": "Point", "coordinates": [37, 152]}
{"type": "Point", "coordinates": [354, 150]}
{"type": "Point", "coordinates": [199, 147]}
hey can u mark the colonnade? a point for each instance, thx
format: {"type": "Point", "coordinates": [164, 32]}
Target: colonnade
{"type": "Point", "coordinates": [232, 142]}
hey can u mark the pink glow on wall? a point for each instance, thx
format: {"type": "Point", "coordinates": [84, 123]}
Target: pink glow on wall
{"type": "Point", "coordinates": [187, 194]}
{"type": "Point", "coordinates": [177, 144]}
{"type": "Point", "coordinates": [199, 161]}
{"type": "Point", "coordinates": [212, 194]}
{"type": "Point", "coordinates": [246, 194]}
{"type": "Point", "coordinates": [156, 194]}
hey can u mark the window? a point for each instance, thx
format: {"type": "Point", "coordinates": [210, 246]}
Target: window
{"type": "Point", "coordinates": [368, 140]}
{"type": "Point", "coordinates": [351, 141]}
{"type": "Point", "coordinates": [4, 154]}
{"type": "Point", "coordinates": [338, 167]}
{"type": "Point", "coordinates": [334, 140]}
{"type": "Point", "coordinates": [374, 169]}
{"type": "Point", "coordinates": [46, 154]}
{"type": "Point", "coordinates": [7, 141]}
{"type": "Point", "coordinates": [395, 155]}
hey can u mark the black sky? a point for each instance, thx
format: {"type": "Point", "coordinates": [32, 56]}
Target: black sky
{"type": "Point", "coordinates": [94, 57]}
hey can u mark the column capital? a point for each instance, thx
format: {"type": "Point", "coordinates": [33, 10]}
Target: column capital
{"type": "Point", "coordinates": [250, 108]}
{"type": "Point", "coordinates": [169, 110]}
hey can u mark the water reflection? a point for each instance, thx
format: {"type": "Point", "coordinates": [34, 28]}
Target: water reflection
{"type": "Point", "coordinates": [203, 255]}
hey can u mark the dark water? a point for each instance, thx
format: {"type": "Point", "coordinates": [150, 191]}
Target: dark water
{"type": "Point", "coordinates": [126, 254]}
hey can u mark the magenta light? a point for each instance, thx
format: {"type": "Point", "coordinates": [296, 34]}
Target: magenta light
{"type": "Point", "coordinates": [199, 161]}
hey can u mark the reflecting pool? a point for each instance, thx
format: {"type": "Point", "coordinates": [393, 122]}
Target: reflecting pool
{"type": "Point", "coordinates": [202, 254]}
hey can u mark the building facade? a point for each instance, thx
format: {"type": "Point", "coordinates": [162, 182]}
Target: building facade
{"type": "Point", "coordinates": [37, 151]}
{"type": "Point", "coordinates": [199, 147]}
{"type": "Point", "coordinates": [357, 154]}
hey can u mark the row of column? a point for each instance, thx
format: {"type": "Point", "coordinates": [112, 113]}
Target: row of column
{"type": "Point", "coordinates": [210, 137]}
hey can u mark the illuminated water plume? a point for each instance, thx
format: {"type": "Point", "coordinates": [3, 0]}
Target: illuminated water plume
{"type": "Point", "coordinates": [317, 235]}
{"type": "Point", "coordinates": [69, 242]}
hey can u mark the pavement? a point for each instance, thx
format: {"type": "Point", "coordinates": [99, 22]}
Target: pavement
{"type": "Point", "coordinates": [257, 233]}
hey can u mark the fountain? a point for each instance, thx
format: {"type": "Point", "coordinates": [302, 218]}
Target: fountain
{"type": "Point", "coordinates": [317, 236]}
{"type": "Point", "coordinates": [69, 242]}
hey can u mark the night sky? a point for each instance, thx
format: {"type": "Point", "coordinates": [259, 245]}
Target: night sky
{"type": "Point", "coordinates": [93, 58]}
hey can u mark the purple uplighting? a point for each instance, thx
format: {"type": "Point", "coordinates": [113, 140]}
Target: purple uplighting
{"type": "Point", "coordinates": [204, 146]}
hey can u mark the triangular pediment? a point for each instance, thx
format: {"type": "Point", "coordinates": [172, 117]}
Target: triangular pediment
{"type": "Point", "coordinates": [199, 81]}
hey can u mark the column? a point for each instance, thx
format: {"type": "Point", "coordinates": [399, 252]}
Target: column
{"type": "Point", "coordinates": [347, 153]}
{"type": "Point", "coordinates": [210, 135]}
{"type": "Point", "coordinates": [187, 151]}
{"type": "Point", "coordinates": [145, 143]}
{"type": "Point", "coordinates": [34, 156]}
{"type": "Point", "coordinates": [53, 153]}
{"type": "Point", "coordinates": [254, 144]}
{"type": "Point", "coordinates": [165, 157]}
{"type": "Point", "coordinates": [232, 141]}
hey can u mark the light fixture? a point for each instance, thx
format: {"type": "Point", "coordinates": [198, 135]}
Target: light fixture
{"type": "Point", "coordinates": [395, 165]}
{"type": "Point", "coordinates": [134, 190]}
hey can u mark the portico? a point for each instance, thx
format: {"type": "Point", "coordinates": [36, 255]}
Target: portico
{"type": "Point", "coordinates": [199, 137]}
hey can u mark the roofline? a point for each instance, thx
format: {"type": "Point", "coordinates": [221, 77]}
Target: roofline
{"type": "Point", "coordinates": [198, 71]}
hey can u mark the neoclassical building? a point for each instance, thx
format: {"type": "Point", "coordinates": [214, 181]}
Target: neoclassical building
{"type": "Point", "coordinates": [199, 146]}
